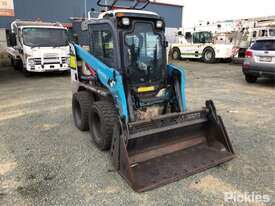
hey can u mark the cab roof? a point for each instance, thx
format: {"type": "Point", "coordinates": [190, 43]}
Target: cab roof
{"type": "Point", "coordinates": [20, 23]}
{"type": "Point", "coordinates": [129, 13]}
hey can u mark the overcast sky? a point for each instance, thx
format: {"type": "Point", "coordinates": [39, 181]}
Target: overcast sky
{"type": "Point", "coordinates": [195, 10]}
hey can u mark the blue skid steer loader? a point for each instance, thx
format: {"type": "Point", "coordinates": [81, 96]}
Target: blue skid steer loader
{"type": "Point", "coordinates": [134, 105]}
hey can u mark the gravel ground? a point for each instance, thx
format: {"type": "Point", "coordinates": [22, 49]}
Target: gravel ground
{"type": "Point", "coordinates": [45, 160]}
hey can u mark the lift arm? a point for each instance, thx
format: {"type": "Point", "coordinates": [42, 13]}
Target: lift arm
{"type": "Point", "coordinates": [107, 76]}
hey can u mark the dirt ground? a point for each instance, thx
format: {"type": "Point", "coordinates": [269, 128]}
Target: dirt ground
{"type": "Point", "coordinates": [45, 160]}
{"type": "Point", "coordinates": [4, 59]}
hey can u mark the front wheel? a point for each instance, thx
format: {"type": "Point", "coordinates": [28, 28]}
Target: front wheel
{"type": "Point", "coordinates": [176, 54]}
{"type": "Point", "coordinates": [208, 56]}
{"type": "Point", "coordinates": [228, 60]}
{"type": "Point", "coordinates": [26, 72]}
{"type": "Point", "coordinates": [102, 120]}
{"type": "Point", "coordinates": [17, 64]}
{"type": "Point", "coordinates": [250, 79]}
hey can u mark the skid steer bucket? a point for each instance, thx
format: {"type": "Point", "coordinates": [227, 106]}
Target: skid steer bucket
{"type": "Point", "coordinates": [152, 153]}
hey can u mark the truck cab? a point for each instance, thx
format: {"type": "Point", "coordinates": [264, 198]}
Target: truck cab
{"type": "Point", "coordinates": [39, 47]}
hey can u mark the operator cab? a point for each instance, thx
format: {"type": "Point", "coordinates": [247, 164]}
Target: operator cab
{"type": "Point", "coordinates": [133, 42]}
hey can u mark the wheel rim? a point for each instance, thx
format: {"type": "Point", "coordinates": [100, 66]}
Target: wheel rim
{"type": "Point", "coordinates": [208, 55]}
{"type": "Point", "coordinates": [96, 127]}
{"type": "Point", "coordinates": [175, 55]}
{"type": "Point", "coordinates": [77, 113]}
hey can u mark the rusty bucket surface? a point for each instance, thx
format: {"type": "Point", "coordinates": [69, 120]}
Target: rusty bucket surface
{"type": "Point", "coordinates": [152, 153]}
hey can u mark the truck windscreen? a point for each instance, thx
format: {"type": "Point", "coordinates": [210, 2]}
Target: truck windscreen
{"type": "Point", "coordinates": [45, 37]}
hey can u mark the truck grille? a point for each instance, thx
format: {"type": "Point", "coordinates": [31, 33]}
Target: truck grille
{"type": "Point", "coordinates": [50, 55]}
{"type": "Point", "coordinates": [53, 60]}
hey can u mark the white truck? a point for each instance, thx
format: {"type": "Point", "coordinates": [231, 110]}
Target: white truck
{"type": "Point", "coordinates": [36, 46]}
{"type": "Point", "coordinates": [209, 43]}
{"type": "Point", "coordinates": [250, 31]}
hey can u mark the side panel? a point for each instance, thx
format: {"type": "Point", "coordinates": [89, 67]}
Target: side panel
{"type": "Point", "coordinates": [190, 50]}
{"type": "Point", "coordinates": [73, 66]}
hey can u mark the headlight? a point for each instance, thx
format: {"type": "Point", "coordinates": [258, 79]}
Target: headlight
{"type": "Point", "coordinates": [159, 24]}
{"type": "Point", "coordinates": [68, 60]}
{"type": "Point", "coordinates": [31, 62]}
{"type": "Point", "coordinates": [125, 21]}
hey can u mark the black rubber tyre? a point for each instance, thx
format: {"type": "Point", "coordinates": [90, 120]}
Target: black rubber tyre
{"type": "Point", "coordinates": [102, 120]}
{"type": "Point", "coordinates": [250, 79]}
{"type": "Point", "coordinates": [209, 56]}
{"type": "Point", "coordinates": [228, 60]}
{"type": "Point", "coordinates": [17, 65]}
{"type": "Point", "coordinates": [81, 104]}
{"type": "Point", "coordinates": [66, 73]}
{"type": "Point", "coordinates": [26, 72]}
{"type": "Point", "coordinates": [176, 54]}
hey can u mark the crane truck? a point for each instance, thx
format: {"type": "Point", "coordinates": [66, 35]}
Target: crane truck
{"type": "Point", "coordinates": [210, 42]}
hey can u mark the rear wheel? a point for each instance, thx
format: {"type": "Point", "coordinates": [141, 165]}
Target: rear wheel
{"type": "Point", "coordinates": [102, 120]}
{"type": "Point", "coordinates": [176, 55]}
{"type": "Point", "coordinates": [228, 60]}
{"type": "Point", "coordinates": [209, 55]}
{"type": "Point", "coordinates": [81, 103]}
{"type": "Point", "coordinates": [250, 79]}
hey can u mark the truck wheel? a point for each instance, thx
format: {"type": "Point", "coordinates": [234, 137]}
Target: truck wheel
{"type": "Point", "coordinates": [17, 65]}
{"type": "Point", "coordinates": [176, 54]}
{"type": "Point", "coordinates": [81, 104]}
{"type": "Point", "coordinates": [26, 72]}
{"type": "Point", "coordinates": [250, 79]}
{"type": "Point", "coordinates": [102, 120]}
{"type": "Point", "coordinates": [208, 55]}
{"type": "Point", "coordinates": [228, 60]}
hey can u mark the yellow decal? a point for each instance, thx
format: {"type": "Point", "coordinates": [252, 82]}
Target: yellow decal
{"type": "Point", "coordinates": [146, 89]}
{"type": "Point", "coordinates": [73, 64]}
